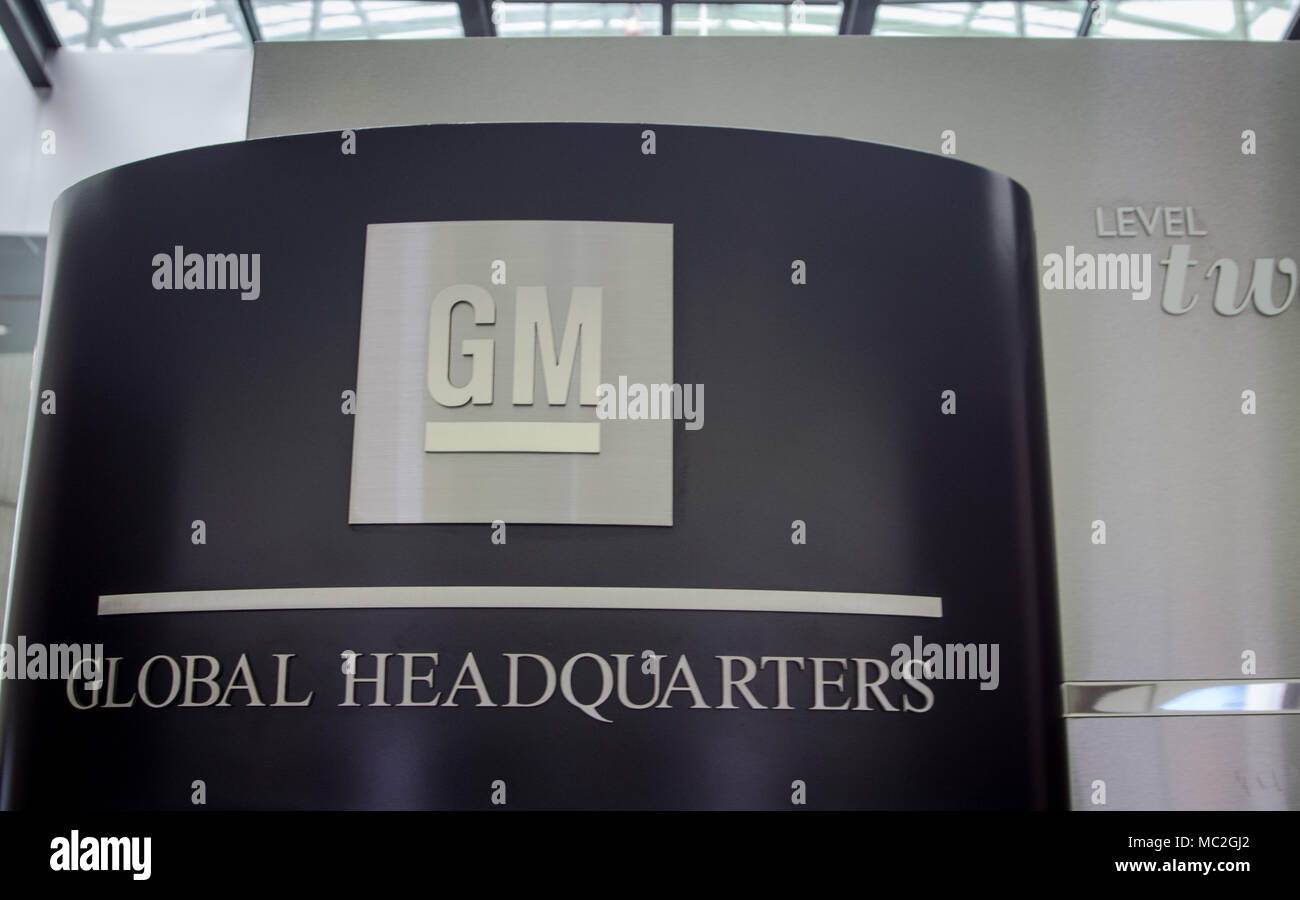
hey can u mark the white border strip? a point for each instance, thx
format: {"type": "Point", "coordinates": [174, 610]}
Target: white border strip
{"type": "Point", "coordinates": [529, 597]}
{"type": "Point", "coordinates": [1181, 697]}
{"type": "Point", "coordinates": [512, 437]}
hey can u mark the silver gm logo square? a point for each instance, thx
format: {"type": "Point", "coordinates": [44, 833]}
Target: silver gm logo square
{"type": "Point", "coordinates": [482, 344]}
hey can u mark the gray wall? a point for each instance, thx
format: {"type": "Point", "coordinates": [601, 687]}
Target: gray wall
{"type": "Point", "coordinates": [1201, 503]}
{"type": "Point", "coordinates": [15, 378]}
{"type": "Point", "coordinates": [106, 109]}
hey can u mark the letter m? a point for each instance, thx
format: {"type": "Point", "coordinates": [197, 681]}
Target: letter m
{"type": "Point", "coordinates": [223, 271]}
{"type": "Point", "coordinates": [533, 327]}
{"type": "Point", "coordinates": [65, 659]}
{"type": "Point", "coordinates": [118, 850]}
{"type": "Point", "coordinates": [1113, 271]}
{"type": "Point", "coordinates": [961, 660]}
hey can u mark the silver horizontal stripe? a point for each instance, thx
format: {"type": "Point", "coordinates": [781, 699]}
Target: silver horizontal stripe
{"type": "Point", "coordinates": [1222, 697]}
{"type": "Point", "coordinates": [529, 597]}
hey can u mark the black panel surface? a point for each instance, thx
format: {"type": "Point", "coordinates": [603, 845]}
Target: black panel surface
{"type": "Point", "coordinates": [823, 404]}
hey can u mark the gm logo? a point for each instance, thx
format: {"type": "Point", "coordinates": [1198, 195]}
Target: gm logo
{"type": "Point", "coordinates": [482, 346]}
{"type": "Point", "coordinates": [533, 332]}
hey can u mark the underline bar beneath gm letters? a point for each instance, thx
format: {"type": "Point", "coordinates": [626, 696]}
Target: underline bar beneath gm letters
{"type": "Point", "coordinates": [512, 437]}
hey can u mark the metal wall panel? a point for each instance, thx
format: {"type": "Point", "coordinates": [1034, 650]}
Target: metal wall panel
{"type": "Point", "coordinates": [1201, 502]}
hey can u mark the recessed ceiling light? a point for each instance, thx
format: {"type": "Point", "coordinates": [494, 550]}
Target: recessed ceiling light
{"type": "Point", "coordinates": [4, 329]}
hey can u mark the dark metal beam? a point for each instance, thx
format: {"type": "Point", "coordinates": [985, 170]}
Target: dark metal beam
{"type": "Point", "coordinates": [250, 20]}
{"type": "Point", "coordinates": [40, 22]}
{"type": "Point", "coordinates": [476, 18]}
{"type": "Point", "coordinates": [1085, 24]}
{"type": "Point", "coordinates": [667, 17]}
{"type": "Point", "coordinates": [1293, 30]}
{"type": "Point", "coordinates": [859, 16]}
{"type": "Point", "coordinates": [31, 35]}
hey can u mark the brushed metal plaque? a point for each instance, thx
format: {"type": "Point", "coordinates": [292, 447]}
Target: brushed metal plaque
{"type": "Point", "coordinates": [501, 456]}
{"type": "Point", "coordinates": [1238, 762]}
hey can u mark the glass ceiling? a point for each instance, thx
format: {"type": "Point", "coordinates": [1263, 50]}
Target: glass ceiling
{"type": "Point", "coordinates": [192, 25]}
{"type": "Point", "coordinates": [578, 19]}
{"type": "Point", "coordinates": [303, 20]}
{"type": "Point", "coordinates": [702, 19]}
{"type": "Point", "coordinates": [1056, 20]}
